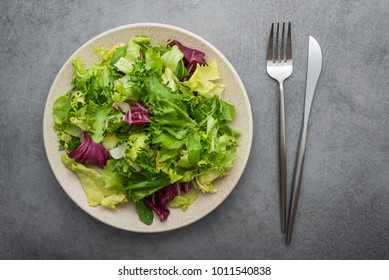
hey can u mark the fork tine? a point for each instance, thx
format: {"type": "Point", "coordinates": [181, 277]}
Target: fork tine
{"type": "Point", "coordinates": [276, 48]}
{"type": "Point", "coordinates": [282, 51]}
{"type": "Point", "coordinates": [289, 43]}
{"type": "Point", "coordinates": [270, 45]}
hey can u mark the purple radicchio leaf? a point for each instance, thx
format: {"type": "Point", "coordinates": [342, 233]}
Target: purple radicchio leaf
{"type": "Point", "coordinates": [159, 200]}
{"type": "Point", "coordinates": [192, 57]}
{"type": "Point", "coordinates": [137, 114]}
{"type": "Point", "coordinates": [89, 152]}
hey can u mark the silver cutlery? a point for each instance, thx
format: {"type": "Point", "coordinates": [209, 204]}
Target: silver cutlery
{"type": "Point", "coordinates": [313, 73]}
{"type": "Point", "coordinates": [280, 66]}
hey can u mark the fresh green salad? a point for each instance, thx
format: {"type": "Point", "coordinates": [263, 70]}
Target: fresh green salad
{"type": "Point", "coordinates": [146, 125]}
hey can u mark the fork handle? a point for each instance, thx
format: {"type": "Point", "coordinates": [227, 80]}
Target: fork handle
{"type": "Point", "coordinates": [282, 142]}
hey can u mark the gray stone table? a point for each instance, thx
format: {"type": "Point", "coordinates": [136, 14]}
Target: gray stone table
{"type": "Point", "coordinates": [344, 202]}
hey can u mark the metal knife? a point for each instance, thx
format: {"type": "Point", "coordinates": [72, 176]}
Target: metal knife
{"type": "Point", "coordinates": [313, 73]}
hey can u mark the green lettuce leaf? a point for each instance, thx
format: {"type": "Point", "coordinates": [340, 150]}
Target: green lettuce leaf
{"type": "Point", "coordinates": [203, 80]}
{"type": "Point", "coordinates": [134, 47]}
{"type": "Point", "coordinates": [93, 185]}
{"type": "Point", "coordinates": [172, 58]}
{"type": "Point", "coordinates": [124, 91]}
{"type": "Point", "coordinates": [112, 179]}
{"type": "Point", "coordinates": [61, 109]}
{"type": "Point", "coordinates": [135, 144]}
{"type": "Point", "coordinates": [153, 61]}
{"type": "Point", "coordinates": [112, 200]}
{"type": "Point", "coordinates": [184, 200]}
{"type": "Point", "coordinates": [123, 65]}
{"type": "Point", "coordinates": [194, 149]}
{"type": "Point", "coordinates": [169, 79]}
{"type": "Point", "coordinates": [204, 181]}
{"type": "Point", "coordinates": [98, 116]}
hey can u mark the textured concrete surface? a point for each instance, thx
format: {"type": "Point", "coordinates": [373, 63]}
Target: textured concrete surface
{"type": "Point", "coordinates": [344, 203]}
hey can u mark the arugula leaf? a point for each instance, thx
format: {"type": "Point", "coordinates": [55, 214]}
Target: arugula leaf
{"type": "Point", "coordinates": [118, 54]}
{"type": "Point", "coordinates": [145, 213]}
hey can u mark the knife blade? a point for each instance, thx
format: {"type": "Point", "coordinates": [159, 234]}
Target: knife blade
{"type": "Point", "coordinates": [313, 73]}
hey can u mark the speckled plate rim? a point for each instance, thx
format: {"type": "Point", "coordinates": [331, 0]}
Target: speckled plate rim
{"type": "Point", "coordinates": [126, 218]}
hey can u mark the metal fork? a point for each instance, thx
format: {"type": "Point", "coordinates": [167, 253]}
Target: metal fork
{"type": "Point", "coordinates": [279, 67]}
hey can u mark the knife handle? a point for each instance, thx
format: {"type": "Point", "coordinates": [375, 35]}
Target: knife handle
{"type": "Point", "coordinates": [282, 143]}
{"type": "Point", "coordinates": [298, 172]}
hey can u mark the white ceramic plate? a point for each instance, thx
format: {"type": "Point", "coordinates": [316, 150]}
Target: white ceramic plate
{"type": "Point", "coordinates": [126, 218]}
